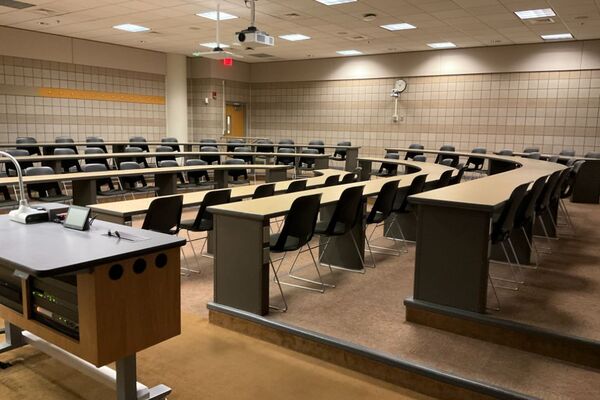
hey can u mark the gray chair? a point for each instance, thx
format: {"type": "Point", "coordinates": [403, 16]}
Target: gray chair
{"type": "Point", "coordinates": [210, 159]}
{"type": "Point", "coordinates": [447, 162]}
{"type": "Point", "coordinates": [95, 141]}
{"type": "Point", "coordinates": [172, 142]}
{"type": "Point", "coordinates": [135, 183]}
{"type": "Point", "coordinates": [553, 159]}
{"type": "Point", "coordinates": [592, 155]}
{"type": "Point", "coordinates": [139, 141]}
{"type": "Point", "coordinates": [458, 177]}
{"type": "Point", "coordinates": [449, 148]}
{"type": "Point", "coordinates": [207, 141]}
{"type": "Point", "coordinates": [171, 164]}
{"type": "Point", "coordinates": [308, 163]}
{"type": "Point", "coordinates": [10, 167]}
{"type": "Point", "coordinates": [234, 143]}
{"type": "Point", "coordinates": [101, 183]}
{"type": "Point", "coordinates": [97, 150]}
{"type": "Point", "coordinates": [29, 141]}
{"type": "Point", "coordinates": [533, 155]}
{"type": "Point", "coordinates": [235, 174]}
{"type": "Point", "coordinates": [67, 165]}
{"type": "Point", "coordinates": [567, 153]}
{"type": "Point", "coordinates": [139, 160]}
{"type": "Point", "coordinates": [340, 153]}
{"type": "Point", "coordinates": [285, 141]}
{"type": "Point", "coordinates": [264, 146]}
{"type": "Point", "coordinates": [283, 159]}
{"type": "Point", "coordinates": [243, 149]}
{"type": "Point", "coordinates": [164, 149]}
{"type": "Point", "coordinates": [67, 142]}
{"type": "Point", "coordinates": [48, 191]}
{"type": "Point", "coordinates": [505, 152]}
{"type": "Point", "coordinates": [420, 158]}
{"type": "Point", "coordinates": [318, 145]}
{"type": "Point", "coordinates": [531, 150]}
{"type": "Point", "coordinates": [197, 178]}
{"type": "Point", "coordinates": [413, 154]}
{"type": "Point", "coordinates": [475, 164]}
{"type": "Point", "coordinates": [389, 169]}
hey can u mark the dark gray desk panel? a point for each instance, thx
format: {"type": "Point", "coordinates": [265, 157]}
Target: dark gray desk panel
{"type": "Point", "coordinates": [49, 249]}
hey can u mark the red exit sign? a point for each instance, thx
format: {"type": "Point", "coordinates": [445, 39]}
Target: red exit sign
{"type": "Point", "coordinates": [228, 62]}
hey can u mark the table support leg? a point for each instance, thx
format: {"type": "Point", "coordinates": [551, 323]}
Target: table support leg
{"type": "Point", "coordinates": [84, 192]}
{"type": "Point", "coordinates": [351, 159]}
{"type": "Point", "coordinates": [322, 163]}
{"type": "Point", "coordinates": [126, 378]}
{"type": "Point", "coordinates": [276, 175]}
{"type": "Point", "coordinates": [167, 184]}
{"type": "Point", "coordinates": [365, 169]}
{"type": "Point", "coordinates": [220, 179]}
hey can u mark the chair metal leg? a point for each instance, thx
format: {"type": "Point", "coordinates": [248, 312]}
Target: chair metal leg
{"type": "Point", "coordinates": [563, 206]}
{"type": "Point", "coordinates": [331, 267]}
{"type": "Point", "coordinates": [532, 249]}
{"type": "Point", "coordinates": [515, 278]}
{"type": "Point", "coordinates": [318, 283]}
{"type": "Point", "coordinates": [495, 294]}
{"type": "Point", "coordinates": [549, 248]}
{"type": "Point", "coordinates": [518, 269]}
{"type": "Point", "coordinates": [276, 278]}
{"type": "Point", "coordinates": [370, 249]}
{"type": "Point", "coordinates": [387, 250]}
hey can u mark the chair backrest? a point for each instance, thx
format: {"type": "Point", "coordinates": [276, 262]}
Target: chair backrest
{"type": "Point", "coordinates": [447, 147]}
{"type": "Point", "coordinates": [137, 139]}
{"type": "Point", "coordinates": [164, 149]}
{"type": "Point", "coordinates": [94, 167]}
{"type": "Point", "coordinates": [560, 183]}
{"type": "Point", "coordinates": [412, 154]}
{"type": "Point", "coordinates": [195, 161]}
{"type": "Point", "coordinates": [167, 163]}
{"type": "Point", "coordinates": [60, 151]}
{"type": "Point", "coordinates": [416, 186]}
{"type": "Point", "coordinates": [332, 180]}
{"type": "Point", "coordinates": [310, 151]}
{"type": "Point", "coordinates": [546, 196]}
{"type": "Point", "coordinates": [31, 171]}
{"type": "Point", "coordinates": [461, 171]}
{"type": "Point", "coordinates": [444, 180]}
{"type": "Point", "coordinates": [553, 159]}
{"type": "Point", "coordinates": [347, 211]}
{"type": "Point", "coordinates": [172, 142]}
{"type": "Point", "coordinates": [342, 152]}
{"type": "Point", "coordinates": [390, 168]}
{"type": "Point", "coordinates": [17, 152]}
{"type": "Point", "coordinates": [569, 185]}
{"type": "Point", "coordinates": [526, 211]}
{"type": "Point", "coordinates": [592, 155]}
{"type": "Point", "coordinates": [25, 139]}
{"type": "Point", "coordinates": [267, 146]}
{"type": "Point", "coordinates": [296, 186]}
{"type": "Point", "coordinates": [164, 214]}
{"type": "Point", "coordinates": [63, 139]}
{"type": "Point", "coordinates": [45, 189]}
{"type": "Point", "coordinates": [243, 149]}
{"type": "Point", "coordinates": [319, 143]}
{"type": "Point", "coordinates": [94, 150]}
{"type": "Point", "coordinates": [28, 140]}
{"type": "Point", "coordinates": [505, 152]}
{"type": "Point", "coordinates": [133, 149]}
{"type": "Point", "coordinates": [127, 165]}
{"type": "Point", "coordinates": [420, 158]}
{"type": "Point", "coordinates": [286, 150]}
{"type": "Point", "coordinates": [209, 149]}
{"type": "Point", "coordinates": [533, 155]}
{"type": "Point", "coordinates": [266, 190]}
{"type": "Point", "coordinates": [283, 159]}
{"type": "Point", "coordinates": [10, 167]}
{"type": "Point", "coordinates": [286, 141]}
{"type": "Point", "coordinates": [234, 161]}
{"type": "Point", "coordinates": [348, 178]}
{"type": "Point", "coordinates": [212, 198]}
{"type": "Point", "coordinates": [531, 150]}
{"type": "Point", "coordinates": [477, 162]}
{"type": "Point", "coordinates": [94, 139]}
{"type": "Point", "coordinates": [384, 202]}
{"type": "Point", "coordinates": [505, 223]}
{"type": "Point", "coordinates": [447, 162]}
{"type": "Point", "coordinates": [207, 141]}
{"type": "Point", "coordinates": [567, 153]}
{"type": "Point", "coordinates": [300, 222]}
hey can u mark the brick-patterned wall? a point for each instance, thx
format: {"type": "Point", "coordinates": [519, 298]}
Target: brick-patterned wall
{"type": "Point", "coordinates": [22, 113]}
{"type": "Point", "coordinates": [553, 110]}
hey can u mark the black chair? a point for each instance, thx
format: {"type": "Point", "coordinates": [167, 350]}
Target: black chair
{"type": "Point", "coordinates": [411, 154]}
{"type": "Point", "coordinates": [458, 177]}
{"type": "Point", "coordinates": [441, 156]}
{"type": "Point", "coordinates": [164, 149]}
{"type": "Point", "coordinates": [533, 155]}
{"type": "Point", "coordinates": [531, 150]}
{"type": "Point", "coordinates": [553, 159]}
{"type": "Point", "coordinates": [197, 178]}
{"type": "Point", "coordinates": [48, 192]}
{"type": "Point", "coordinates": [11, 170]}
{"type": "Point", "coordinates": [282, 159]}
{"type": "Point", "coordinates": [555, 198]}
{"type": "Point", "coordinates": [265, 190]}
{"type": "Point", "coordinates": [235, 174]}
{"type": "Point", "coordinates": [592, 155]}
{"type": "Point", "coordinates": [296, 186]}
{"type": "Point", "coordinates": [135, 183]}
{"type": "Point", "coordinates": [204, 219]}
{"type": "Point", "coordinates": [317, 145]}
{"type": "Point", "coordinates": [172, 142]}
{"type": "Point", "coordinates": [97, 150]}
{"type": "Point", "coordinates": [234, 143]}
{"type": "Point", "coordinates": [331, 180]}
{"type": "Point", "coordinates": [284, 142]}
{"type": "Point", "coordinates": [104, 182]}
{"type": "Point", "coordinates": [542, 206]}
{"type": "Point", "coordinates": [341, 152]}
{"type": "Point", "coordinates": [139, 160]}
{"type": "Point", "coordinates": [525, 215]}
{"type": "Point", "coordinates": [95, 142]}
{"type": "Point", "coordinates": [173, 164]}
{"type": "Point", "coordinates": [475, 164]}
{"type": "Point", "coordinates": [67, 143]}
{"type": "Point", "coordinates": [381, 210]}
{"type": "Point", "coordinates": [420, 158]}
{"type": "Point", "coordinates": [445, 179]}
{"type": "Point", "coordinates": [139, 141]}
{"type": "Point", "coordinates": [244, 149]}
{"type": "Point", "coordinates": [505, 152]}
{"type": "Point", "coordinates": [211, 158]}
{"type": "Point", "coordinates": [7, 201]}
{"type": "Point", "coordinates": [298, 229]}
{"type": "Point", "coordinates": [349, 178]}
{"type": "Point", "coordinates": [567, 153]}
{"type": "Point", "coordinates": [264, 146]}
{"type": "Point", "coordinates": [389, 169]}
{"type": "Point", "coordinates": [207, 141]}
{"type": "Point", "coordinates": [447, 162]}
{"type": "Point", "coordinates": [502, 228]}
{"type": "Point", "coordinates": [30, 149]}
{"type": "Point", "coordinates": [164, 215]}
{"type": "Point", "coordinates": [67, 165]}
{"type": "Point", "coordinates": [306, 162]}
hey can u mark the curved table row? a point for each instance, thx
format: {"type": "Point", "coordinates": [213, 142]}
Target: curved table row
{"type": "Point", "coordinates": [242, 276]}
{"type": "Point", "coordinates": [84, 183]}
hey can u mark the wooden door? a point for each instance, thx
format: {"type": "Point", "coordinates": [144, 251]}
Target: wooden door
{"type": "Point", "coordinates": [235, 120]}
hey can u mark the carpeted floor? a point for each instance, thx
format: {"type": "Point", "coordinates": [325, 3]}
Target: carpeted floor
{"type": "Point", "coordinates": [204, 362]}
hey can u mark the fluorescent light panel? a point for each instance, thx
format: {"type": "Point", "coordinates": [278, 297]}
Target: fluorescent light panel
{"type": "Point", "coordinates": [441, 45]}
{"type": "Point", "coordinates": [557, 36]}
{"type": "Point", "coordinates": [212, 45]}
{"type": "Point", "coordinates": [398, 27]}
{"type": "Point", "coordinates": [294, 37]}
{"type": "Point", "coordinates": [335, 2]}
{"type": "Point", "coordinates": [349, 52]}
{"type": "Point", "coordinates": [537, 13]}
{"type": "Point", "coordinates": [213, 15]}
{"type": "Point", "coordinates": [131, 28]}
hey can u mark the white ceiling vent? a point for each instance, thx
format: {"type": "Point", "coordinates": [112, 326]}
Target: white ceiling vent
{"type": "Point", "coordinates": [541, 21]}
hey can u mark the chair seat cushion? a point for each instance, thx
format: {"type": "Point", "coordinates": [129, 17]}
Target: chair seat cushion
{"type": "Point", "coordinates": [205, 225]}
{"type": "Point", "coordinates": [321, 228]}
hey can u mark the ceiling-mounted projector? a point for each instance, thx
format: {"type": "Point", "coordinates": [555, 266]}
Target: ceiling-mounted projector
{"type": "Point", "coordinates": [254, 38]}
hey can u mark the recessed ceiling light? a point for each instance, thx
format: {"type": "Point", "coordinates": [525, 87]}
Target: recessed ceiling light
{"type": "Point", "coordinates": [441, 45]}
{"type": "Point", "coordinates": [349, 52]}
{"type": "Point", "coordinates": [131, 28]}
{"type": "Point", "coordinates": [294, 37]}
{"type": "Point", "coordinates": [335, 2]}
{"type": "Point", "coordinates": [538, 13]}
{"type": "Point", "coordinates": [398, 27]}
{"type": "Point", "coordinates": [212, 45]}
{"type": "Point", "coordinates": [557, 36]}
{"type": "Point", "coordinates": [213, 15]}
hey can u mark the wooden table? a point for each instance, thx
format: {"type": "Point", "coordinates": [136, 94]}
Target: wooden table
{"type": "Point", "coordinates": [242, 276]}
{"type": "Point", "coordinates": [89, 299]}
{"type": "Point", "coordinates": [84, 183]}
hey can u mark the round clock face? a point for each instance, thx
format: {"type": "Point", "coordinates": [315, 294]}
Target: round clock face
{"type": "Point", "coordinates": [401, 85]}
